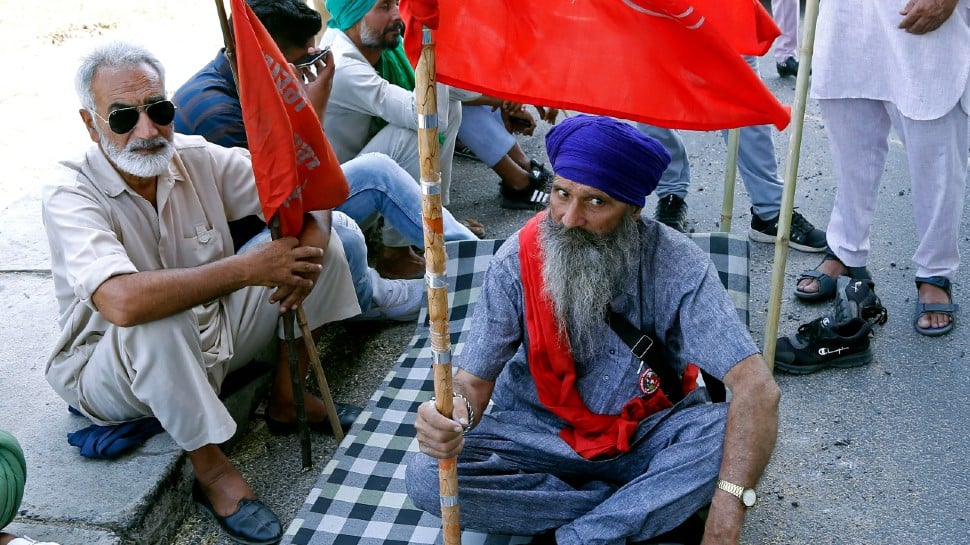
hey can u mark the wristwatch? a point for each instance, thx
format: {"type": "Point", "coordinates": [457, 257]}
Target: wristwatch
{"type": "Point", "coordinates": [747, 495]}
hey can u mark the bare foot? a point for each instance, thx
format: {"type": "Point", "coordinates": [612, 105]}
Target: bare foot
{"type": "Point", "coordinates": [831, 267]}
{"type": "Point", "coordinates": [221, 482]}
{"type": "Point", "coordinates": [928, 293]}
{"type": "Point", "coordinates": [400, 262]}
{"type": "Point", "coordinates": [6, 538]}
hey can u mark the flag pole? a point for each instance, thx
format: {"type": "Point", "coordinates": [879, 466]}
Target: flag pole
{"type": "Point", "coordinates": [791, 178]}
{"type": "Point", "coordinates": [730, 176]}
{"type": "Point", "coordinates": [437, 285]}
{"type": "Point", "coordinates": [296, 376]}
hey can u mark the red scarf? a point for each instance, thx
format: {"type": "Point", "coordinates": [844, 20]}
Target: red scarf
{"type": "Point", "coordinates": [553, 369]}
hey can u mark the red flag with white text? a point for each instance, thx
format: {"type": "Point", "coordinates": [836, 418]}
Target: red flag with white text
{"type": "Point", "coordinates": [671, 63]}
{"type": "Point", "coordinates": [296, 169]}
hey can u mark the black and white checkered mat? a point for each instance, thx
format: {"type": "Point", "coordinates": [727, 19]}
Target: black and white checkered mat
{"type": "Point", "coordinates": [360, 496]}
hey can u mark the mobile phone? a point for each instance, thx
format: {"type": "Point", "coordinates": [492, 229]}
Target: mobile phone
{"type": "Point", "coordinates": [307, 61]}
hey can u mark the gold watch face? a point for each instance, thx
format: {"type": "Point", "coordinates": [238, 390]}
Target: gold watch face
{"type": "Point", "coordinates": [748, 497]}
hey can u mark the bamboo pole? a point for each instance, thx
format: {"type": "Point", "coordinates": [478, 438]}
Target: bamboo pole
{"type": "Point", "coordinates": [437, 285]}
{"type": "Point", "coordinates": [730, 176]}
{"type": "Point", "coordinates": [791, 179]}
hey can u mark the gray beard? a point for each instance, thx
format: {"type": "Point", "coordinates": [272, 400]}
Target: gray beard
{"type": "Point", "coordinates": [373, 38]}
{"type": "Point", "coordinates": [136, 164]}
{"type": "Point", "coordinates": [582, 272]}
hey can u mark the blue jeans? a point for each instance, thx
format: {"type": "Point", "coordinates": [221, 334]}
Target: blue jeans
{"type": "Point", "coordinates": [380, 187]}
{"type": "Point", "coordinates": [756, 161]}
{"type": "Point", "coordinates": [355, 247]}
{"type": "Point", "coordinates": [483, 131]}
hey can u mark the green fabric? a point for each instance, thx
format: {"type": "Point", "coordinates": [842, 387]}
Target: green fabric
{"type": "Point", "coordinates": [394, 67]}
{"type": "Point", "coordinates": [13, 476]}
{"type": "Point", "coordinates": [345, 13]}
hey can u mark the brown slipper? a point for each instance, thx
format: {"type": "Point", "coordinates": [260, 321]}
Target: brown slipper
{"type": "Point", "coordinates": [475, 227]}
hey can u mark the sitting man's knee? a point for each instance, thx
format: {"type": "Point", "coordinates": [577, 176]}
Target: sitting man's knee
{"type": "Point", "coordinates": [421, 480]}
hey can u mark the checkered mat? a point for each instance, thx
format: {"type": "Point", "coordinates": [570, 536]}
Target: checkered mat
{"type": "Point", "coordinates": [360, 497]}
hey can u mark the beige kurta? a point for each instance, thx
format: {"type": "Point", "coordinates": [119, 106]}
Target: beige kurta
{"type": "Point", "coordinates": [98, 227]}
{"type": "Point", "coordinates": [860, 53]}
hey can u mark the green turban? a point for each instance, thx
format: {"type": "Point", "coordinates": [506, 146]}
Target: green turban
{"type": "Point", "coordinates": [345, 13]}
{"type": "Point", "coordinates": [13, 475]}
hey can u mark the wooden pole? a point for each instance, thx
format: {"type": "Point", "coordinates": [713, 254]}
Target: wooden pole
{"type": "Point", "coordinates": [435, 280]}
{"type": "Point", "coordinates": [791, 179]}
{"type": "Point", "coordinates": [311, 349]}
{"type": "Point", "coordinates": [730, 176]}
{"type": "Point", "coordinates": [317, 367]}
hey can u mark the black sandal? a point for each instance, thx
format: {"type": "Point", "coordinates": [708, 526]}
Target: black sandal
{"type": "Point", "coordinates": [940, 308]}
{"type": "Point", "coordinates": [826, 284]}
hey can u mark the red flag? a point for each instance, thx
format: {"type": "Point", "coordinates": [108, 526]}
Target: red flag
{"type": "Point", "coordinates": [671, 63]}
{"type": "Point", "coordinates": [296, 169]}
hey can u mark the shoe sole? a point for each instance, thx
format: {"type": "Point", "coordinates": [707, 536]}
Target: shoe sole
{"type": "Point", "coordinates": [758, 236]}
{"type": "Point", "coordinates": [845, 362]}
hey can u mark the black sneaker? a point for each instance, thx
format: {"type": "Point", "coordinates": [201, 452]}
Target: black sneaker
{"type": "Point", "coordinates": [461, 150]}
{"type": "Point", "coordinates": [803, 235]}
{"type": "Point", "coordinates": [539, 171]}
{"type": "Point", "coordinates": [534, 197]}
{"type": "Point", "coordinates": [856, 298]}
{"type": "Point", "coordinates": [789, 67]}
{"type": "Point", "coordinates": [819, 344]}
{"type": "Point", "coordinates": [672, 212]}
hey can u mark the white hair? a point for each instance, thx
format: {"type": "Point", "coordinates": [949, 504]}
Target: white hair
{"type": "Point", "coordinates": [114, 54]}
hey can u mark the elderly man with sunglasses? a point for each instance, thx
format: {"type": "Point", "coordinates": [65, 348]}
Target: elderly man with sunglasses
{"type": "Point", "coordinates": [155, 307]}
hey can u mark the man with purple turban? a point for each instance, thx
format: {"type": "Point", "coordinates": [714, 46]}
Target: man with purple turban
{"type": "Point", "coordinates": [587, 442]}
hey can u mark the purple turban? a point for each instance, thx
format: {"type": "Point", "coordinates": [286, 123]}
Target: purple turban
{"type": "Point", "coordinates": [607, 154]}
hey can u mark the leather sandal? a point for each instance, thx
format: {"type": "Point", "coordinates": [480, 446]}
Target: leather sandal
{"type": "Point", "coordinates": [940, 308]}
{"type": "Point", "coordinates": [253, 523]}
{"type": "Point", "coordinates": [475, 227]}
{"type": "Point", "coordinates": [827, 285]}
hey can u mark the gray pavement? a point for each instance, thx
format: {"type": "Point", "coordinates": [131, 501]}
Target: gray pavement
{"type": "Point", "coordinates": [874, 455]}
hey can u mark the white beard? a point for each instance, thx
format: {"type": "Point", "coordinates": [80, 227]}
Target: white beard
{"type": "Point", "coordinates": [137, 164]}
{"type": "Point", "coordinates": [582, 272]}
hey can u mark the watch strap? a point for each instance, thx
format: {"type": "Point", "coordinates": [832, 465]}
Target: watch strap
{"type": "Point", "coordinates": [731, 488]}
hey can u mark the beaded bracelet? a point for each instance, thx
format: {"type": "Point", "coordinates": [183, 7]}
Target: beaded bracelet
{"type": "Point", "coordinates": [468, 407]}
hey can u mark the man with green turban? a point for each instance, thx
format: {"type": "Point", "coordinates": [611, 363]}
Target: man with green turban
{"type": "Point", "coordinates": [13, 476]}
{"type": "Point", "coordinates": [372, 105]}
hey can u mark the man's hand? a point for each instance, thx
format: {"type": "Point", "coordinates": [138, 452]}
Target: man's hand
{"type": "Point", "coordinates": [438, 436]}
{"type": "Point", "coordinates": [549, 115]}
{"type": "Point", "coordinates": [519, 121]}
{"type": "Point", "coordinates": [318, 81]}
{"type": "Point", "coordinates": [922, 16]}
{"type": "Point", "coordinates": [287, 266]}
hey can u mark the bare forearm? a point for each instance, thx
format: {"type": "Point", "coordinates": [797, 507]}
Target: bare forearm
{"type": "Point", "coordinates": [142, 297]}
{"type": "Point", "coordinates": [749, 439]}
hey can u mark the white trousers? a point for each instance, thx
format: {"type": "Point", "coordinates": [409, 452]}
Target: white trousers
{"type": "Point", "coordinates": [785, 14]}
{"type": "Point", "coordinates": [936, 150]}
{"type": "Point", "coordinates": [159, 368]}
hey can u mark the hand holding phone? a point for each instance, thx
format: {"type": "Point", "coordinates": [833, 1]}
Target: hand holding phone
{"type": "Point", "coordinates": [309, 60]}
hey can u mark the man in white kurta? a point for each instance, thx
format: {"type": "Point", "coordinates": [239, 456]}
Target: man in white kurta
{"type": "Point", "coordinates": [879, 66]}
{"type": "Point", "coordinates": [361, 100]}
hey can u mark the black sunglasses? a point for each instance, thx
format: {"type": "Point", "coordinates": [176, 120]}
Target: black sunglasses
{"type": "Point", "coordinates": [123, 120]}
